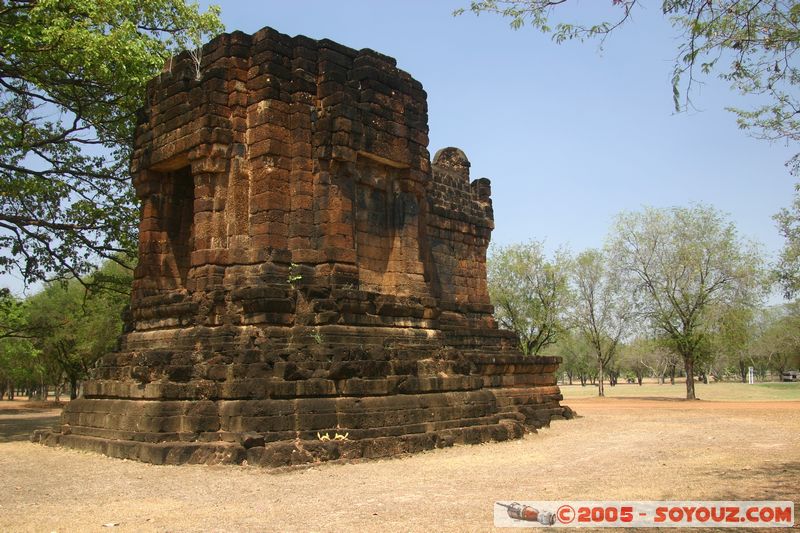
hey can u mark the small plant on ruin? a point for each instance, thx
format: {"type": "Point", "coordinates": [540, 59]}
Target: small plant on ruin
{"type": "Point", "coordinates": [196, 54]}
{"type": "Point", "coordinates": [326, 436]}
{"type": "Point", "coordinates": [317, 336]}
{"type": "Point", "coordinates": [293, 276]}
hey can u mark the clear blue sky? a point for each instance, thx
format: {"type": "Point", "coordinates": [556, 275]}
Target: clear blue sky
{"type": "Point", "coordinates": [568, 134]}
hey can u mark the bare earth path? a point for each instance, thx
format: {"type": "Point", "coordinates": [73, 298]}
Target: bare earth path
{"type": "Point", "coordinates": [621, 448]}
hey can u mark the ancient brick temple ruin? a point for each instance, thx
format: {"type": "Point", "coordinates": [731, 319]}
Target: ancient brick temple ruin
{"type": "Point", "coordinates": [310, 285]}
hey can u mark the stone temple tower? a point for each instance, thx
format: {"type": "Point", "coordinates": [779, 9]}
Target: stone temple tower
{"type": "Point", "coordinates": [304, 270]}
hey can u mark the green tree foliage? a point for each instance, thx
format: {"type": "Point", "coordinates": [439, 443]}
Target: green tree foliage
{"type": "Point", "coordinates": [685, 262]}
{"type": "Point", "coordinates": [776, 345]}
{"type": "Point", "coordinates": [649, 355]}
{"type": "Point", "coordinates": [12, 315]}
{"type": "Point", "coordinates": [788, 268]}
{"type": "Point", "coordinates": [72, 76]}
{"type": "Point", "coordinates": [74, 327]}
{"type": "Point", "coordinates": [638, 358]}
{"type": "Point", "coordinates": [603, 311]}
{"type": "Point", "coordinates": [19, 363]}
{"type": "Point", "coordinates": [731, 341]}
{"type": "Point", "coordinates": [749, 43]}
{"type": "Point", "coordinates": [530, 293]}
{"type": "Point", "coordinates": [577, 359]}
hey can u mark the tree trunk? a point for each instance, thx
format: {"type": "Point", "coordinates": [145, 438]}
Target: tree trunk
{"type": "Point", "coordinates": [689, 365]}
{"type": "Point", "coordinates": [600, 391]}
{"type": "Point", "coordinates": [672, 375]}
{"type": "Point", "coordinates": [743, 371]}
{"type": "Point", "coordinates": [73, 388]}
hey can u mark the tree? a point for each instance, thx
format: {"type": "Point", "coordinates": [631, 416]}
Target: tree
{"type": "Point", "coordinates": [637, 357]}
{"type": "Point", "coordinates": [19, 365]}
{"type": "Point", "coordinates": [74, 327]}
{"type": "Point", "coordinates": [530, 293]}
{"type": "Point", "coordinates": [576, 357]}
{"type": "Point", "coordinates": [72, 76]}
{"type": "Point", "coordinates": [15, 349]}
{"type": "Point", "coordinates": [777, 342]}
{"type": "Point", "coordinates": [788, 268]}
{"type": "Point", "coordinates": [683, 262]}
{"type": "Point", "coordinates": [12, 315]}
{"type": "Point", "coordinates": [603, 311]}
{"type": "Point", "coordinates": [732, 340]}
{"type": "Point", "coordinates": [755, 40]}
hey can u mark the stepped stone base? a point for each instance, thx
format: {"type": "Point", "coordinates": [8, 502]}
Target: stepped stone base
{"type": "Point", "coordinates": [430, 412]}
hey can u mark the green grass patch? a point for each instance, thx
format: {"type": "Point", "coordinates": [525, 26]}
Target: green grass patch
{"type": "Point", "coordinates": [711, 391]}
{"type": "Point", "coordinates": [779, 386]}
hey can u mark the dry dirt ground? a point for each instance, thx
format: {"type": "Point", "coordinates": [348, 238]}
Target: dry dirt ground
{"type": "Point", "coordinates": [621, 448]}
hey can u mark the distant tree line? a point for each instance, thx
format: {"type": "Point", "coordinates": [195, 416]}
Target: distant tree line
{"type": "Point", "coordinates": [50, 340]}
{"type": "Point", "coordinates": [674, 292]}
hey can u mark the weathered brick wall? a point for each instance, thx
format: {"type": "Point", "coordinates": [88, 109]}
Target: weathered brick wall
{"type": "Point", "coordinates": [275, 135]}
{"type": "Point", "coordinates": [303, 268]}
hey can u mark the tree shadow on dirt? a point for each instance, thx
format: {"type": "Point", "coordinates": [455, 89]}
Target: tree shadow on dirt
{"type": "Point", "coordinates": [648, 398]}
{"type": "Point", "coordinates": [774, 481]}
{"type": "Point", "coordinates": [18, 411]}
{"type": "Point", "coordinates": [20, 427]}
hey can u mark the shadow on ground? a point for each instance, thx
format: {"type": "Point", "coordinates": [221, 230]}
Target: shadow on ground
{"type": "Point", "coordinates": [18, 424]}
{"type": "Point", "coordinates": [777, 481]}
{"type": "Point", "coordinates": [648, 398]}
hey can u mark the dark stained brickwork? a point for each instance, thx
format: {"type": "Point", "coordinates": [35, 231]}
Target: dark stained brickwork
{"type": "Point", "coordinates": [304, 268]}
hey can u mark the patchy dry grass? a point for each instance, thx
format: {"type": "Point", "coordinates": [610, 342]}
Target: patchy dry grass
{"type": "Point", "coordinates": [741, 392]}
{"type": "Point", "coordinates": [619, 449]}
